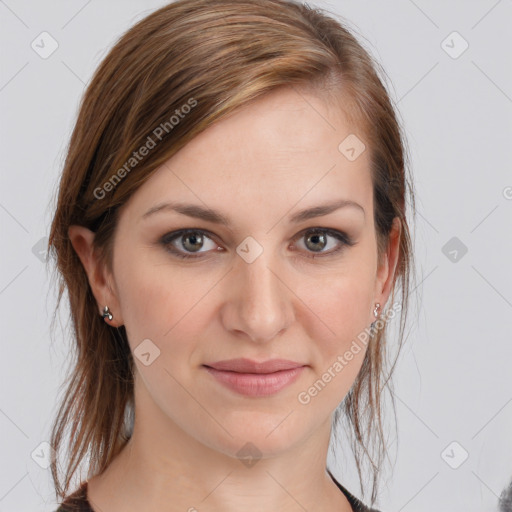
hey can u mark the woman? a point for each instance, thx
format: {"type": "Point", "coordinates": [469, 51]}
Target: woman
{"type": "Point", "coordinates": [230, 226]}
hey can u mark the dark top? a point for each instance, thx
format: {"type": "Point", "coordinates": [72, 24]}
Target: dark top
{"type": "Point", "coordinates": [77, 502]}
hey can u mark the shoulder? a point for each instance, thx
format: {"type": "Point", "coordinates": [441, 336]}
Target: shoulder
{"type": "Point", "coordinates": [356, 504]}
{"type": "Point", "coordinates": [76, 502]}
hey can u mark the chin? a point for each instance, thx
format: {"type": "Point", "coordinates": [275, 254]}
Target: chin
{"type": "Point", "coordinates": [258, 433]}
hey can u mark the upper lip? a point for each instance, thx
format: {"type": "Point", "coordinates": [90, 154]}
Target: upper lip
{"type": "Point", "coordinates": [248, 366]}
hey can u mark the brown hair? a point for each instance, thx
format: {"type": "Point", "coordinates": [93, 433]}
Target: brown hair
{"type": "Point", "coordinates": [216, 55]}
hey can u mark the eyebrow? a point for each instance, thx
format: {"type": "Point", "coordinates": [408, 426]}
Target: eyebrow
{"type": "Point", "coordinates": [209, 215]}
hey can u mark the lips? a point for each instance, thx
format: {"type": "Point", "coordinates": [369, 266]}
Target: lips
{"type": "Point", "coordinates": [254, 379]}
{"type": "Point", "coordinates": [249, 366]}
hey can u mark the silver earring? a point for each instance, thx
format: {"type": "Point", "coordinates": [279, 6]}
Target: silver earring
{"type": "Point", "coordinates": [376, 314]}
{"type": "Point", "coordinates": [107, 313]}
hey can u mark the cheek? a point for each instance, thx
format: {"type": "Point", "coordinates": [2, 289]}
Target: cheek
{"type": "Point", "coordinates": [158, 302]}
{"type": "Point", "coordinates": [338, 308]}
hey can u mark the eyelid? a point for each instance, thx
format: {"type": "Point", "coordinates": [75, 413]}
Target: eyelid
{"type": "Point", "coordinates": [336, 233]}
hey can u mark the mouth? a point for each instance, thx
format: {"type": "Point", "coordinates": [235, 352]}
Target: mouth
{"type": "Point", "coordinates": [251, 378]}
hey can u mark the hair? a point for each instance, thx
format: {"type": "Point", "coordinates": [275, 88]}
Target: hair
{"type": "Point", "coordinates": [216, 55]}
{"type": "Point", "coordinates": [505, 499]}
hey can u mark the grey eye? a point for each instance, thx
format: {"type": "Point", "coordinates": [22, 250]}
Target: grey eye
{"type": "Point", "coordinates": [316, 241]}
{"type": "Point", "coordinates": [192, 241]}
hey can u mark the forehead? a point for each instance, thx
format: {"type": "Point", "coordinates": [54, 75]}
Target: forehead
{"type": "Point", "coordinates": [284, 122]}
{"type": "Point", "coordinates": [280, 150]}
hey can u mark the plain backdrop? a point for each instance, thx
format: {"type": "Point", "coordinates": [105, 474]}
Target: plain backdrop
{"type": "Point", "coordinates": [449, 69]}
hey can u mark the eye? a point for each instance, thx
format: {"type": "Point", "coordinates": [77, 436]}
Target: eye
{"type": "Point", "coordinates": [317, 239]}
{"type": "Point", "coordinates": [188, 243]}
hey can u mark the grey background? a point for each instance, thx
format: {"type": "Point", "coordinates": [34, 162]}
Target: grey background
{"type": "Point", "coordinates": [453, 381]}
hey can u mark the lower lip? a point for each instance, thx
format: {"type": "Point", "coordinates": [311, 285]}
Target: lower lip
{"type": "Point", "coordinates": [256, 384]}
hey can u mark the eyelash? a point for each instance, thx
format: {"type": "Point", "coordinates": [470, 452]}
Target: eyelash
{"type": "Point", "coordinates": [168, 238]}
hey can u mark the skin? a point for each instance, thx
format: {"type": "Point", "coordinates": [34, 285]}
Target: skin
{"type": "Point", "coordinates": [269, 160]}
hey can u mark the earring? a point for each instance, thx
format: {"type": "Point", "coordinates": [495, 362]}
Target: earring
{"type": "Point", "coordinates": [107, 313]}
{"type": "Point", "coordinates": [376, 314]}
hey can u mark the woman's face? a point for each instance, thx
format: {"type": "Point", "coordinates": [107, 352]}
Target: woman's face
{"type": "Point", "coordinates": [261, 286]}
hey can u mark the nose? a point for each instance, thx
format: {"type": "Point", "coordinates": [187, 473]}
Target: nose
{"type": "Point", "coordinates": [259, 304]}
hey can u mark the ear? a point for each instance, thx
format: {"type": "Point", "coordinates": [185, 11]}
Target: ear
{"type": "Point", "coordinates": [387, 267]}
{"type": "Point", "coordinates": [100, 280]}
